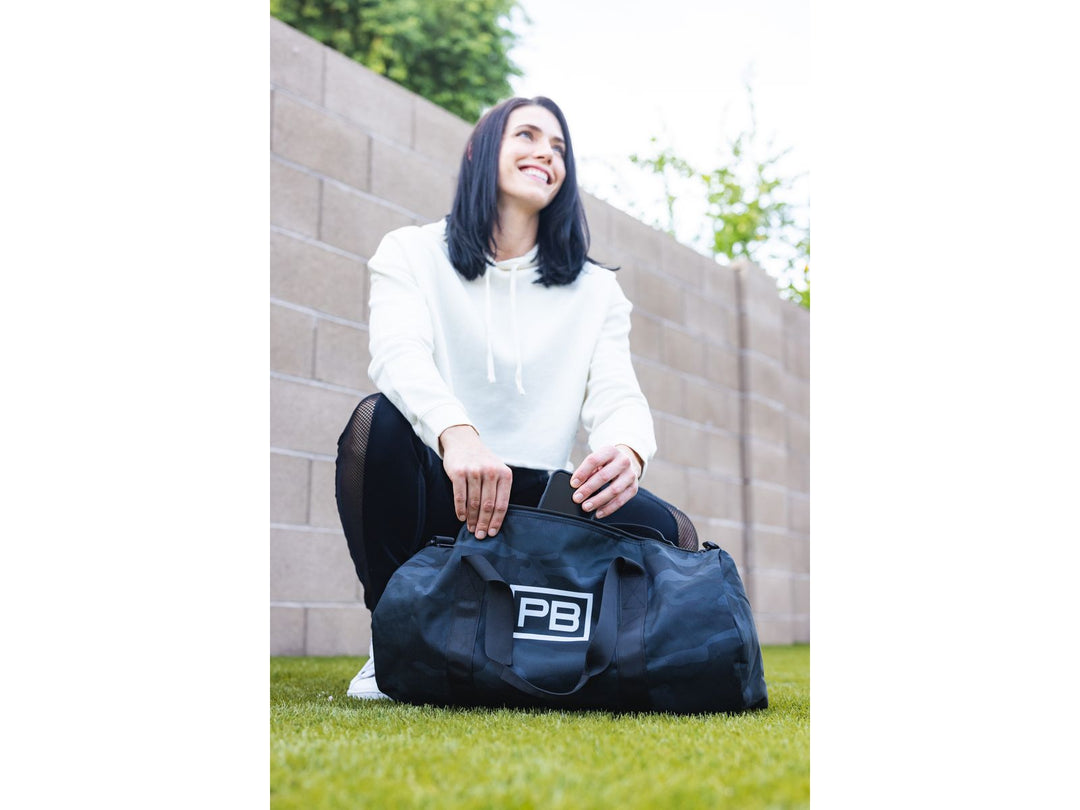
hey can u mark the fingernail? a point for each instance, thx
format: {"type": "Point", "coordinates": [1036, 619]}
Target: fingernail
{"type": "Point", "coordinates": [480, 535]}
{"type": "Point", "coordinates": [578, 496]}
{"type": "Point", "coordinates": [574, 482]}
{"type": "Point", "coordinates": [588, 506]}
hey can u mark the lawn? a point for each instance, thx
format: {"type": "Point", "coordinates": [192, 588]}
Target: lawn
{"type": "Point", "coordinates": [330, 751]}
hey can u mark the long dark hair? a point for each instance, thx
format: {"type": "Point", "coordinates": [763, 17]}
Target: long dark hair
{"type": "Point", "coordinates": [563, 236]}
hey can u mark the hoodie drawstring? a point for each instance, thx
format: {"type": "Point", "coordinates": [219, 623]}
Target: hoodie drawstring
{"type": "Point", "coordinates": [487, 325]}
{"type": "Point", "coordinates": [514, 322]}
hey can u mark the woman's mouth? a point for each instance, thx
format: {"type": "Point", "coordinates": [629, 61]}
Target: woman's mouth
{"type": "Point", "coordinates": [539, 174]}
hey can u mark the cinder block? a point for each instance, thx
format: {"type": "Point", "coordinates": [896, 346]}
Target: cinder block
{"type": "Point", "coordinates": [296, 61]}
{"type": "Point", "coordinates": [311, 276]}
{"type": "Point", "coordinates": [772, 593]}
{"type": "Point", "coordinates": [286, 630]}
{"type": "Point", "coordinates": [294, 199]}
{"type": "Point", "coordinates": [438, 134]}
{"type": "Point", "coordinates": [800, 626]}
{"type": "Point", "coordinates": [768, 506]}
{"type": "Point", "coordinates": [683, 443]}
{"type": "Point", "coordinates": [798, 513]}
{"type": "Point", "coordinates": [767, 420]}
{"type": "Point", "coordinates": [765, 376]}
{"type": "Point", "coordinates": [801, 589]}
{"type": "Point", "coordinates": [641, 241]}
{"type": "Point", "coordinates": [797, 356]}
{"type": "Point", "coordinates": [405, 178]}
{"type": "Point", "coordinates": [666, 481]}
{"type": "Point", "coordinates": [764, 339]}
{"type": "Point", "coordinates": [773, 551]}
{"type": "Point", "coordinates": [645, 336]}
{"type": "Point", "coordinates": [357, 223]}
{"type": "Point", "coordinates": [684, 263]}
{"type": "Point", "coordinates": [722, 366]}
{"type": "Point", "coordinates": [767, 461]}
{"type": "Point", "coordinates": [712, 496]}
{"type": "Point", "coordinates": [797, 395]}
{"type": "Point", "coordinates": [311, 567]}
{"type": "Point", "coordinates": [759, 292]}
{"type": "Point", "coordinates": [773, 630]}
{"type": "Point", "coordinates": [338, 630]}
{"type": "Point", "coordinates": [342, 356]}
{"type": "Point", "coordinates": [800, 554]}
{"type": "Point", "coordinates": [660, 296]}
{"type": "Point", "coordinates": [324, 513]}
{"type": "Point", "coordinates": [720, 285]}
{"type": "Point", "coordinates": [710, 318]}
{"type": "Point", "coordinates": [292, 341]}
{"type": "Point", "coordinates": [662, 387]}
{"type": "Point", "coordinates": [313, 138]}
{"type": "Point", "coordinates": [724, 454]}
{"type": "Point", "coordinates": [727, 535]}
{"type": "Point", "coordinates": [711, 405]}
{"type": "Point", "coordinates": [289, 483]}
{"type": "Point", "coordinates": [683, 351]}
{"type": "Point", "coordinates": [798, 472]}
{"type": "Point", "coordinates": [370, 100]}
{"type": "Point", "coordinates": [798, 434]}
{"type": "Point", "coordinates": [598, 214]}
{"type": "Point", "coordinates": [308, 418]}
{"type": "Point", "coordinates": [625, 275]}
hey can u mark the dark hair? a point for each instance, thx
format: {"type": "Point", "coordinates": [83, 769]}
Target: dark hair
{"type": "Point", "coordinates": [563, 236]}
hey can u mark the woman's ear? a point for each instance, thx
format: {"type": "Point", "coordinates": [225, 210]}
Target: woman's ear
{"type": "Point", "coordinates": [468, 151]}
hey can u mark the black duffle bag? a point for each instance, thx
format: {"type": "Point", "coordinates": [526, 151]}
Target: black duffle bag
{"type": "Point", "coordinates": [562, 612]}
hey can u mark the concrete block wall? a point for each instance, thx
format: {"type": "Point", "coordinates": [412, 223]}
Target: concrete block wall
{"type": "Point", "coordinates": [722, 360]}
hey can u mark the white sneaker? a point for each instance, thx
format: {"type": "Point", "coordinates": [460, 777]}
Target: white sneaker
{"type": "Point", "coordinates": [363, 686]}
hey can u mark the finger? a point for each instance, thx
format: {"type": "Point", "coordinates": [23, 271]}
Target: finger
{"type": "Point", "coordinates": [590, 464]}
{"type": "Point", "coordinates": [473, 499]}
{"type": "Point", "coordinates": [609, 472]}
{"type": "Point", "coordinates": [460, 490]}
{"type": "Point", "coordinates": [618, 485]}
{"type": "Point", "coordinates": [502, 501]}
{"type": "Point", "coordinates": [489, 492]}
{"type": "Point", "coordinates": [617, 503]}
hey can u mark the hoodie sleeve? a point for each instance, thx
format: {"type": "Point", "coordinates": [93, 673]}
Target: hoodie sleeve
{"type": "Point", "coordinates": [402, 344]}
{"type": "Point", "coordinates": [615, 411]}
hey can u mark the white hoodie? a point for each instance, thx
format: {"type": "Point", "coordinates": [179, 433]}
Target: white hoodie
{"type": "Point", "coordinates": [520, 362]}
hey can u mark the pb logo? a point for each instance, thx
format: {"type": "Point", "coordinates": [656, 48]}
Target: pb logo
{"type": "Point", "coordinates": [550, 615]}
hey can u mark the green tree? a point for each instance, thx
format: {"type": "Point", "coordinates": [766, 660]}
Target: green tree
{"type": "Point", "coordinates": [454, 53]}
{"type": "Point", "coordinates": [746, 204]}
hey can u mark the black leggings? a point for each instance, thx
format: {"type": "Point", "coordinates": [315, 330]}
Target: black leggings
{"type": "Point", "coordinates": [393, 496]}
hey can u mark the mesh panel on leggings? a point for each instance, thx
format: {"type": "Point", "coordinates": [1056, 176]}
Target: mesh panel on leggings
{"type": "Point", "coordinates": [688, 538]}
{"type": "Point", "coordinates": [352, 451]}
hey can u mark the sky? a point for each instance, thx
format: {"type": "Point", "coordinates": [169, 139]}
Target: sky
{"type": "Point", "coordinates": [626, 71]}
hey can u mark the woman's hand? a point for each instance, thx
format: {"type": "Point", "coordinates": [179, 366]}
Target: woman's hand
{"type": "Point", "coordinates": [620, 466]}
{"type": "Point", "coordinates": [481, 481]}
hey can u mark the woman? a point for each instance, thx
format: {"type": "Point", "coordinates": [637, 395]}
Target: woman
{"type": "Point", "coordinates": [493, 334]}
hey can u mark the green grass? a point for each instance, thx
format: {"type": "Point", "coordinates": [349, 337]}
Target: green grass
{"type": "Point", "coordinates": [330, 751]}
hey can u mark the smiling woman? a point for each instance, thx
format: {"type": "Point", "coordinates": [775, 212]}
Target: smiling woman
{"type": "Point", "coordinates": [493, 336]}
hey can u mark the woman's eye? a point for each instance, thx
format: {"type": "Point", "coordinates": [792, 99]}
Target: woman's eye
{"type": "Point", "coordinates": [526, 133]}
{"type": "Point", "coordinates": [560, 151]}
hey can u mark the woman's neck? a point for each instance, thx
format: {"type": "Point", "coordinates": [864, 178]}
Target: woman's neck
{"type": "Point", "coordinates": [516, 234]}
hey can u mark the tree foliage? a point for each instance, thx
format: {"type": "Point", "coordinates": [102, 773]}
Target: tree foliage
{"type": "Point", "coordinates": [746, 204]}
{"type": "Point", "coordinates": [454, 53]}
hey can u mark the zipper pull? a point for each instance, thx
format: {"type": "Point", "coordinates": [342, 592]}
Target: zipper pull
{"type": "Point", "coordinates": [440, 541]}
{"type": "Point", "coordinates": [709, 545]}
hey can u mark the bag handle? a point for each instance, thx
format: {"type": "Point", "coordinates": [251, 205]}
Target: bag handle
{"type": "Point", "coordinates": [624, 581]}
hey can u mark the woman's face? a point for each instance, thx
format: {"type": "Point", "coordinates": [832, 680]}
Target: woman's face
{"type": "Point", "coordinates": [531, 159]}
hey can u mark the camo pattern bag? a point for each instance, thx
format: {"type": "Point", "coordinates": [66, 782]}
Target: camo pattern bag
{"type": "Point", "coordinates": [562, 612]}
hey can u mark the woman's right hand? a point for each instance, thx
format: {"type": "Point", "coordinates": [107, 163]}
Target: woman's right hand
{"type": "Point", "coordinates": [481, 481]}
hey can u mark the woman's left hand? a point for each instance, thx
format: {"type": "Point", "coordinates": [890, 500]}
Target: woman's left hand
{"type": "Point", "coordinates": [617, 466]}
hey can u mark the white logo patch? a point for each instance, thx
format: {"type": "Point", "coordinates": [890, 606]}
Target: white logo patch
{"type": "Point", "coordinates": [547, 614]}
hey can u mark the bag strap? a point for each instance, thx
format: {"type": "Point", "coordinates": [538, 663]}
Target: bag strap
{"type": "Point", "coordinates": [624, 582]}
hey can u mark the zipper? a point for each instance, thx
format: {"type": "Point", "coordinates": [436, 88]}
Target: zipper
{"type": "Point", "coordinates": [441, 541]}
